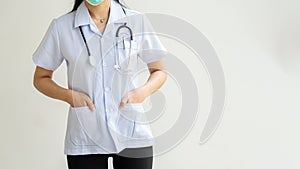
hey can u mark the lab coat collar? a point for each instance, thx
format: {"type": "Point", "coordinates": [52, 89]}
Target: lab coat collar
{"type": "Point", "coordinates": [82, 15]}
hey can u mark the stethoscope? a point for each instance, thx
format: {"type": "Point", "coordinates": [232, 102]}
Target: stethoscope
{"type": "Point", "coordinates": [117, 66]}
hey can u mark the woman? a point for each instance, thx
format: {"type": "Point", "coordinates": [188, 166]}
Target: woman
{"type": "Point", "coordinates": [105, 101]}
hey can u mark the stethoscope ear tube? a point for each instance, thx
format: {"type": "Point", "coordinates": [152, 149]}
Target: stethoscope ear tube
{"type": "Point", "coordinates": [124, 26]}
{"type": "Point", "coordinates": [84, 39]}
{"type": "Point", "coordinates": [92, 59]}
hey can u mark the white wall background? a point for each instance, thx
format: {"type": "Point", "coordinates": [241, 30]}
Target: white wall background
{"type": "Point", "coordinates": [257, 42]}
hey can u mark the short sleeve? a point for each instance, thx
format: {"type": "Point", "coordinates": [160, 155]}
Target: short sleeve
{"type": "Point", "coordinates": [151, 49]}
{"type": "Point", "coordinates": [48, 54]}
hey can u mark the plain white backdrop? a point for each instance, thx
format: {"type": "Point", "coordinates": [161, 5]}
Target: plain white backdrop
{"type": "Point", "coordinates": [258, 43]}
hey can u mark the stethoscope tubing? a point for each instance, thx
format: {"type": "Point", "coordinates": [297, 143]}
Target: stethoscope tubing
{"type": "Point", "coordinates": [117, 61]}
{"type": "Point", "coordinates": [84, 39]}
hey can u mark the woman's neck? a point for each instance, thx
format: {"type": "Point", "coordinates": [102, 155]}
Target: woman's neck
{"type": "Point", "coordinates": [100, 11]}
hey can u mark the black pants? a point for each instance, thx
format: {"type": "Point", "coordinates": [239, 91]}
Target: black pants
{"type": "Point", "coordinates": [130, 158]}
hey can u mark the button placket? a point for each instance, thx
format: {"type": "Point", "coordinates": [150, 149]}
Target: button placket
{"type": "Point", "coordinates": [105, 80]}
{"type": "Point", "coordinates": [107, 89]}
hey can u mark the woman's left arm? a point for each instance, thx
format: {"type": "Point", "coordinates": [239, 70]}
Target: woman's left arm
{"type": "Point", "coordinates": [157, 78]}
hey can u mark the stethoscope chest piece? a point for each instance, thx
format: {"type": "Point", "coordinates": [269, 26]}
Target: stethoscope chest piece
{"type": "Point", "coordinates": [92, 60]}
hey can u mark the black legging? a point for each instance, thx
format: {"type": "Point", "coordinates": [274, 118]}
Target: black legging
{"type": "Point", "coordinates": [126, 159]}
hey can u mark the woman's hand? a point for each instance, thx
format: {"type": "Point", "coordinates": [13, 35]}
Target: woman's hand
{"type": "Point", "coordinates": [44, 83]}
{"type": "Point", "coordinates": [157, 78]}
{"type": "Point", "coordinates": [136, 96]}
{"type": "Point", "coordinates": [77, 99]}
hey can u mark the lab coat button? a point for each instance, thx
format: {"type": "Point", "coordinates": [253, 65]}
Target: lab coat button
{"type": "Point", "coordinates": [107, 110]}
{"type": "Point", "coordinates": [104, 64]}
{"type": "Point", "coordinates": [107, 89]}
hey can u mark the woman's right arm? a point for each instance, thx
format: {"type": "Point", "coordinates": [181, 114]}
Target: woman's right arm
{"type": "Point", "coordinates": [43, 82]}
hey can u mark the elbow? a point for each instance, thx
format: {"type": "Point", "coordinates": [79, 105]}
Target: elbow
{"type": "Point", "coordinates": [35, 82]}
{"type": "Point", "coordinates": [165, 76]}
{"type": "Point", "coordinates": [39, 75]}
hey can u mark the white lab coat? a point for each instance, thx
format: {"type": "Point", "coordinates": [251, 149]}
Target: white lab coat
{"type": "Point", "coordinates": [108, 129]}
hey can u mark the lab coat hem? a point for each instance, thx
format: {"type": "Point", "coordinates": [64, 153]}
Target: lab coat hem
{"type": "Point", "coordinates": [138, 143]}
{"type": "Point", "coordinates": [97, 150]}
{"type": "Point", "coordinates": [85, 150]}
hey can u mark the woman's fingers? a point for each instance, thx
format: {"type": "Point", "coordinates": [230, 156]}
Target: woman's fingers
{"type": "Point", "coordinates": [81, 99]}
{"type": "Point", "coordinates": [90, 104]}
{"type": "Point", "coordinates": [123, 102]}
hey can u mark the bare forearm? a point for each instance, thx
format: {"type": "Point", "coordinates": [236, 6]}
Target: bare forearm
{"type": "Point", "coordinates": [48, 87]}
{"type": "Point", "coordinates": [154, 82]}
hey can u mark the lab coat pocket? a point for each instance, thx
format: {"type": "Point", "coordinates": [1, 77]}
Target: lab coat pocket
{"type": "Point", "coordinates": [128, 54]}
{"type": "Point", "coordinates": [83, 126]}
{"type": "Point", "coordinates": [142, 130]}
{"type": "Point", "coordinates": [126, 120]}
